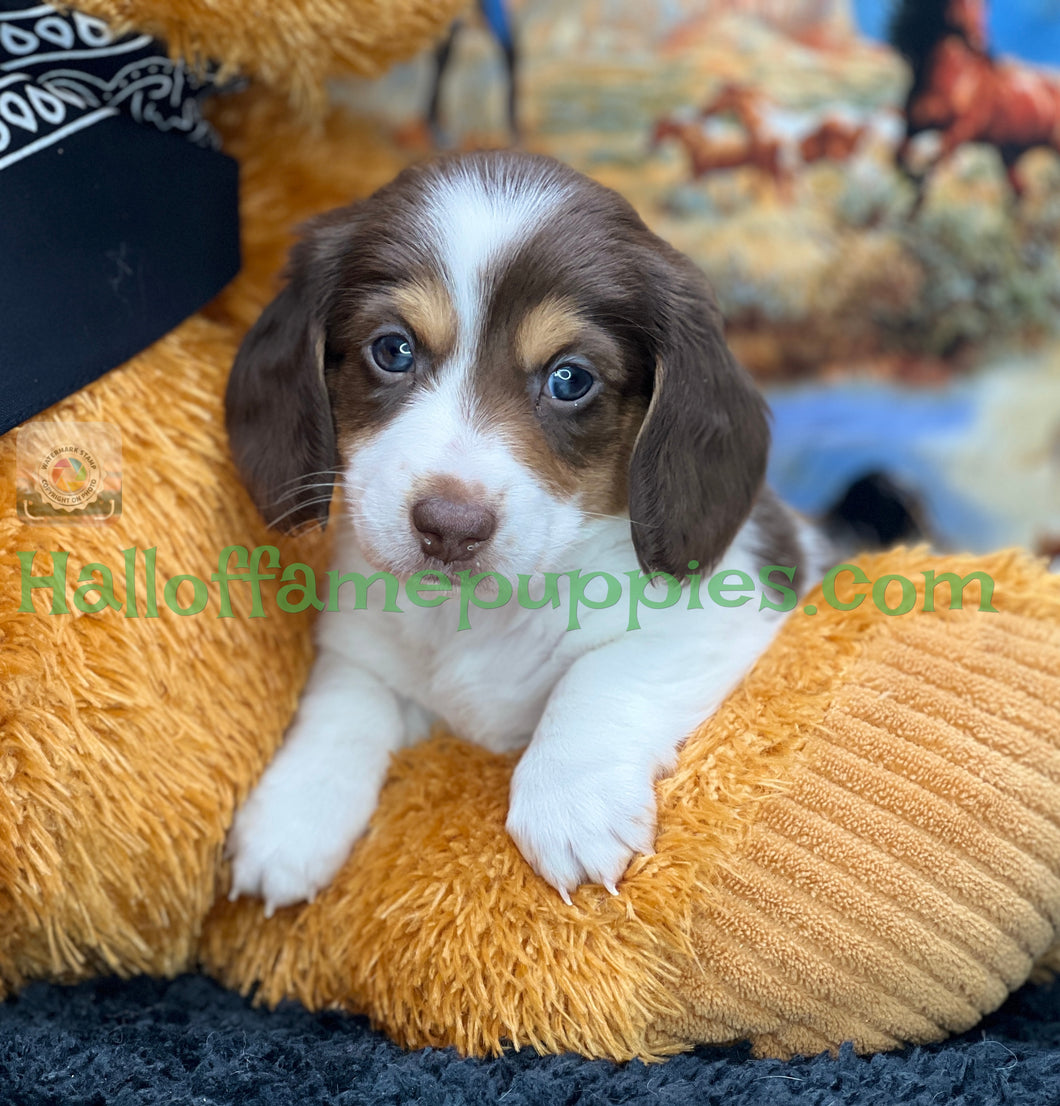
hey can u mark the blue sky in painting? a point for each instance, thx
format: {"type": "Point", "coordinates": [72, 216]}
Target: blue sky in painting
{"type": "Point", "coordinates": [1029, 29]}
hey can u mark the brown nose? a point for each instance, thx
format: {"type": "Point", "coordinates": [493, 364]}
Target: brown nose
{"type": "Point", "coordinates": [451, 529]}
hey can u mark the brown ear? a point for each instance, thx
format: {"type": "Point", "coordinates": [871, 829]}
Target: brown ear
{"type": "Point", "coordinates": [276, 407]}
{"type": "Point", "coordinates": [700, 458]}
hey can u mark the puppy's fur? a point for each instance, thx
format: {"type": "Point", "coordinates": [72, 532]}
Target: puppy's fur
{"type": "Point", "coordinates": [497, 270]}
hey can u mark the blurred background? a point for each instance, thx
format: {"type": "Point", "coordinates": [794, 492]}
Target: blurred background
{"type": "Point", "coordinates": [897, 299]}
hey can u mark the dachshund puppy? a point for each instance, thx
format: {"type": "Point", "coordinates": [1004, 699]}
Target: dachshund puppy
{"type": "Point", "coordinates": [506, 373]}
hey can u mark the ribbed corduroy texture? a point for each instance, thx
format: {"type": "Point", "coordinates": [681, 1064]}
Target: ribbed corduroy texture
{"type": "Point", "coordinates": [861, 845]}
{"type": "Point", "coordinates": [909, 876]}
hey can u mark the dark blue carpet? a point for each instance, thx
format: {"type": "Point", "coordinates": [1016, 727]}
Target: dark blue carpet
{"type": "Point", "coordinates": [110, 1043]}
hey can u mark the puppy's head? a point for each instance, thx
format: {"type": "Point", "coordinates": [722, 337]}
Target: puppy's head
{"type": "Point", "coordinates": [489, 352]}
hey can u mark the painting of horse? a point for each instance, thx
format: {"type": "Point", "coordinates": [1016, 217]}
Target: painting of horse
{"type": "Point", "coordinates": [777, 140]}
{"type": "Point", "coordinates": [964, 93]}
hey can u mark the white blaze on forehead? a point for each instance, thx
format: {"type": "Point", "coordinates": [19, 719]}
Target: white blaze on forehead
{"type": "Point", "coordinates": [475, 216]}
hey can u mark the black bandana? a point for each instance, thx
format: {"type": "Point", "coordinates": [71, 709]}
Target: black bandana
{"type": "Point", "coordinates": [118, 217]}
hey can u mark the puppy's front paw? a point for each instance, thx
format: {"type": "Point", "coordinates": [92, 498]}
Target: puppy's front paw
{"type": "Point", "coordinates": [576, 828]}
{"type": "Point", "coordinates": [286, 842]}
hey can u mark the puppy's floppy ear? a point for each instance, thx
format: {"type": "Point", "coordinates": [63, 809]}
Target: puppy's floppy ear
{"type": "Point", "coordinates": [700, 458]}
{"type": "Point", "coordinates": [276, 407]}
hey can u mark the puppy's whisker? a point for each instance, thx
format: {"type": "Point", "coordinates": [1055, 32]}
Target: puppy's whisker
{"type": "Point", "coordinates": [307, 527]}
{"type": "Point", "coordinates": [309, 475]}
{"type": "Point", "coordinates": [305, 505]}
{"type": "Point", "coordinates": [297, 491]}
{"type": "Point", "coordinates": [609, 518]}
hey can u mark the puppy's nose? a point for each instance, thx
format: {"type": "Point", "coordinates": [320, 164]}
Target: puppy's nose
{"type": "Point", "coordinates": [451, 529]}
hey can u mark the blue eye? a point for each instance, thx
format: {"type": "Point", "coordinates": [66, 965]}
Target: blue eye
{"type": "Point", "coordinates": [569, 382]}
{"type": "Point", "coordinates": [393, 353]}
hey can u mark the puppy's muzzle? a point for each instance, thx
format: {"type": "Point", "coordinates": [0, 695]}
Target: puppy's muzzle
{"type": "Point", "coordinates": [452, 529]}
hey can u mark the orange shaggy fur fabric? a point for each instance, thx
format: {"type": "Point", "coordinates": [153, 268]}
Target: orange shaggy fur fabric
{"type": "Point", "coordinates": [293, 46]}
{"type": "Point", "coordinates": [863, 844]}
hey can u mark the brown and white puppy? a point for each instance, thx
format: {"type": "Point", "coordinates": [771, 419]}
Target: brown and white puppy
{"type": "Point", "coordinates": [506, 372]}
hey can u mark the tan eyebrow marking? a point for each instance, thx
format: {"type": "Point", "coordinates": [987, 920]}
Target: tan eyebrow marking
{"type": "Point", "coordinates": [429, 311]}
{"type": "Point", "coordinates": [544, 330]}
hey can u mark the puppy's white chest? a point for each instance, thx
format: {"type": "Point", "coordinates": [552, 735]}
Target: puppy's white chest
{"type": "Point", "coordinates": [489, 683]}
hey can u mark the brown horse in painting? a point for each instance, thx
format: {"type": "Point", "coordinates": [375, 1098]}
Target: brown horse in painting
{"type": "Point", "coordinates": [707, 155]}
{"type": "Point", "coordinates": [962, 92]}
{"type": "Point", "coordinates": [800, 137]}
{"type": "Point", "coordinates": [775, 140]}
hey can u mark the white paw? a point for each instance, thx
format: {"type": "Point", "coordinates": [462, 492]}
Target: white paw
{"type": "Point", "coordinates": [580, 826]}
{"type": "Point", "coordinates": [291, 836]}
